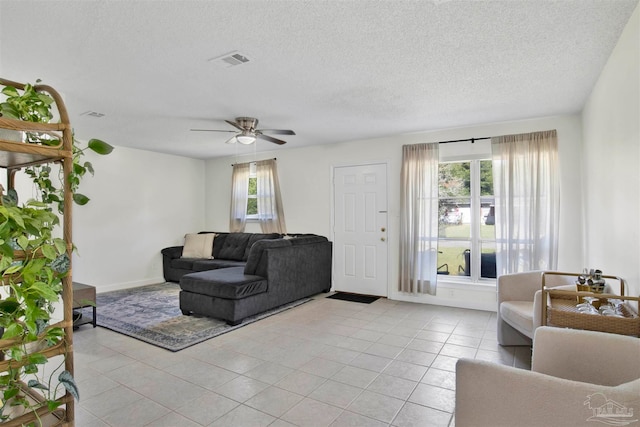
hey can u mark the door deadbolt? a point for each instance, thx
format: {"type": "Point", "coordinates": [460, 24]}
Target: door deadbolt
{"type": "Point", "coordinates": [383, 229]}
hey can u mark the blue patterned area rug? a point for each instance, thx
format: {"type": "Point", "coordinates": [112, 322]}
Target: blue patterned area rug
{"type": "Point", "coordinates": [152, 314]}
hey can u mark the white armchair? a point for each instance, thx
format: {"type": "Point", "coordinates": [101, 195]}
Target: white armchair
{"type": "Point", "coordinates": [576, 376]}
{"type": "Point", "coordinates": [519, 304]}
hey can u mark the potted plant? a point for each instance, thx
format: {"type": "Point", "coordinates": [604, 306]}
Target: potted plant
{"type": "Point", "coordinates": [34, 262]}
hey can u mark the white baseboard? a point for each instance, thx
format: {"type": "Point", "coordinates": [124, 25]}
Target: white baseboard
{"type": "Point", "coordinates": [448, 302]}
{"type": "Point", "coordinates": [127, 285]}
{"type": "Point", "coordinates": [475, 297]}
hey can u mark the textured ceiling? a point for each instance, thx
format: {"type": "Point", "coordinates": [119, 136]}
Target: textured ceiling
{"type": "Point", "coordinates": [332, 70]}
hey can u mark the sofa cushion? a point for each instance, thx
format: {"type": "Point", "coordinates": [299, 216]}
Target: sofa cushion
{"type": "Point", "coordinates": [183, 263]}
{"type": "Point", "coordinates": [227, 283]}
{"type": "Point", "coordinates": [198, 264]}
{"type": "Point", "coordinates": [518, 314]}
{"type": "Point", "coordinates": [212, 264]}
{"type": "Point", "coordinates": [234, 246]}
{"type": "Point", "coordinates": [198, 246]}
{"type": "Point", "coordinates": [256, 237]}
{"type": "Point", "coordinates": [218, 243]}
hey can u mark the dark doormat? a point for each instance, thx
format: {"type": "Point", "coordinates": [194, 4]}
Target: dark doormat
{"type": "Point", "coordinates": [365, 299]}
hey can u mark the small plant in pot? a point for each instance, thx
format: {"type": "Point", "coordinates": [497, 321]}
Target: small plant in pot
{"type": "Point", "coordinates": [33, 264]}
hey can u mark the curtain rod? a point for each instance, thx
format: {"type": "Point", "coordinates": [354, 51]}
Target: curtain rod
{"type": "Point", "coordinates": [473, 140]}
{"type": "Point", "coordinates": [233, 164]}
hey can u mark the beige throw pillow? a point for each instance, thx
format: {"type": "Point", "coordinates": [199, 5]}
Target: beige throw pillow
{"type": "Point", "coordinates": [198, 246]}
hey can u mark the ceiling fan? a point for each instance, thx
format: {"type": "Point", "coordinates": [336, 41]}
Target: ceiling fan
{"type": "Point", "coordinates": [247, 133]}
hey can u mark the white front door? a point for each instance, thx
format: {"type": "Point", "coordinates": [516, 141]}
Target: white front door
{"type": "Point", "coordinates": [360, 229]}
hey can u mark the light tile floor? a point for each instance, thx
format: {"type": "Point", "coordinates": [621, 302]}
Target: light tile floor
{"type": "Point", "coordinates": [324, 363]}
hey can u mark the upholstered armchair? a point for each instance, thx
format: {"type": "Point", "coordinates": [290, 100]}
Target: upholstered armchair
{"type": "Point", "coordinates": [519, 304]}
{"type": "Point", "coordinates": [576, 376]}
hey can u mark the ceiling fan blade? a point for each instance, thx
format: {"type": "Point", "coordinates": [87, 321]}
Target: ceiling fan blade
{"type": "Point", "coordinates": [278, 131]}
{"type": "Point", "coordinates": [235, 125]}
{"type": "Point", "coordinates": [270, 139]}
{"type": "Point", "coordinates": [210, 130]}
{"type": "Point", "coordinates": [231, 140]}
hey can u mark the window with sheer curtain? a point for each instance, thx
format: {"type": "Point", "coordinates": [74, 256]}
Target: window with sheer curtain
{"type": "Point", "coordinates": [266, 200]}
{"type": "Point", "coordinates": [527, 201]}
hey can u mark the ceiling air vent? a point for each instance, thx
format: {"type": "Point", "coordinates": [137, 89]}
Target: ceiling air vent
{"type": "Point", "coordinates": [230, 59]}
{"type": "Point", "coordinates": [93, 114]}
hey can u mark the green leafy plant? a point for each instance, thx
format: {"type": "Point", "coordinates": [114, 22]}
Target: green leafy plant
{"type": "Point", "coordinates": [33, 262]}
{"type": "Point", "coordinates": [29, 106]}
{"type": "Point", "coordinates": [33, 106]}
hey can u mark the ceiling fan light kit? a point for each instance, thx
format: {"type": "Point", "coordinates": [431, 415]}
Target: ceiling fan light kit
{"type": "Point", "coordinates": [246, 138]}
{"type": "Point", "coordinates": [248, 133]}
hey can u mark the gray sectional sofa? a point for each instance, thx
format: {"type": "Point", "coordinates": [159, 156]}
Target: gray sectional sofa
{"type": "Point", "coordinates": [229, 250]}
{"type": "Point", "coordinates": [272, 271]}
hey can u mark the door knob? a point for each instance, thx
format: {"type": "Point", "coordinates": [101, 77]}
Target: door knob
{"type": "Point", "coordinates": [382, 239]}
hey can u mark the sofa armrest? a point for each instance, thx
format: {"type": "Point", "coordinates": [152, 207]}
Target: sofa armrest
{"type": "Point", "coordinates": [257, 259]}
{"type": "Point", "coordinates": [594, 357]}
{"type": "Point", "coordinates": [172, 252]}
{"type": "Point", "coordinates": [299, 271]}
{"type": "Point", "coordinates": [489, 394]}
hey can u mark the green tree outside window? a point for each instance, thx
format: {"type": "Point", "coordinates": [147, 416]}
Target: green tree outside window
{"type": "Point", "coordinates": [252, 200]}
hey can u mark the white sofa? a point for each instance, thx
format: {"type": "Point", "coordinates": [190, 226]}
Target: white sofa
{"type": "Point", "coordinates": [519, 304]}
{"type": "Point", "coordinates": [575, 376]}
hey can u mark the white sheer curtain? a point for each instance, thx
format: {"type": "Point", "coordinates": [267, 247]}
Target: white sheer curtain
{"type": "Point", "coordinates": [239, 190]}
{"type": "Point", "coordinates": [527, 201]}
{"type": "Point", "coordinates": [270, 211]}
{"type": "Point", "coordinates": [419, 218]}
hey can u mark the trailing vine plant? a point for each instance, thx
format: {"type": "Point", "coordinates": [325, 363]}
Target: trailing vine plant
{"type": "Point", "coordinates": [34, 106]}
{"type": "Point", "coordinates": [33, 262]}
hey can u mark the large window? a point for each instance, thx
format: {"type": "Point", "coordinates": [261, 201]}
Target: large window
{"type": "Point", "coordinates": [466, 232]}
{"type": "Point", "coordinates": [255, 194]}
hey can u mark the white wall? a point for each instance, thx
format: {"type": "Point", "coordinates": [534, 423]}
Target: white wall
{"type": "Point", "coordinates": [611, 127]}
{"type": "Point", "coordinates": [305, 180]}
{"type": "Point", "coordinates": [140, 203]}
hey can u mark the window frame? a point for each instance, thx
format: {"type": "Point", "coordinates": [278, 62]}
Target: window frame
{"type": "Point", "coordinates": [475, 240]}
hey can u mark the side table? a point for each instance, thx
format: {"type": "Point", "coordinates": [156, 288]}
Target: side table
{"type": "Point", "coordinates": [84, 296]}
